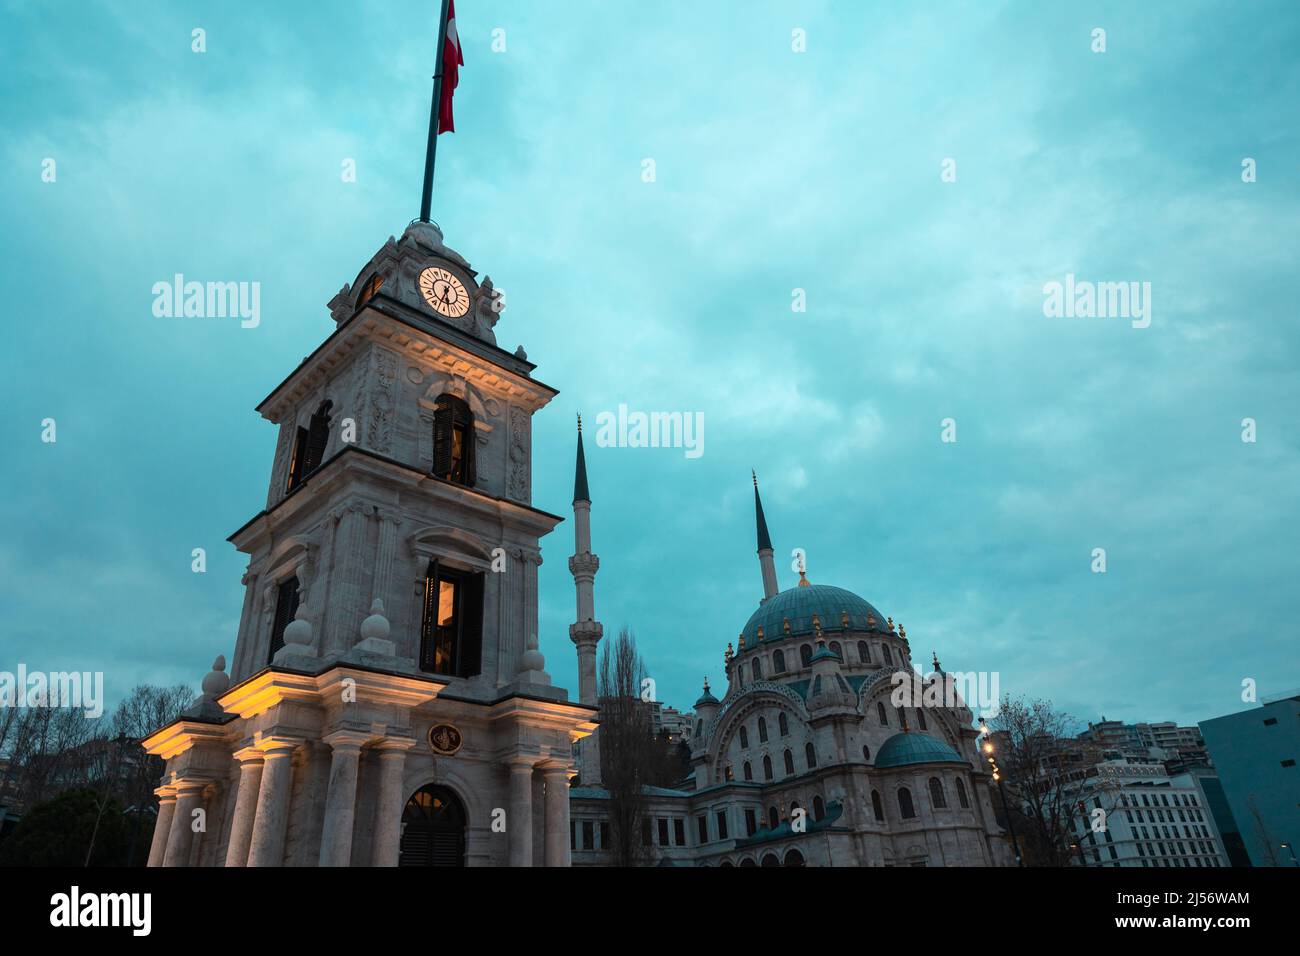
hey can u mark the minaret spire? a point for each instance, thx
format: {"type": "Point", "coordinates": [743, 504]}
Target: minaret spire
{"type": "Point", "coordinates": [586, 631]}
{"type": "Point", "coordinates": [766, 560]}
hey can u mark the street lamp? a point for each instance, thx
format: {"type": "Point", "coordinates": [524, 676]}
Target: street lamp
{"type": "Point", "coordinates": [987, 747]}
{"type": "Point", "coordinates": [1290, 849]}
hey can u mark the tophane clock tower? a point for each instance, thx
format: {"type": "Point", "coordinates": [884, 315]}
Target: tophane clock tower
{"type": "Point", "coordinates": [386, 700]}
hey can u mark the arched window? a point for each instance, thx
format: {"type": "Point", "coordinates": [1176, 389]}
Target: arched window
{"type": "Point", "coordinates": [773, 820]}
{"type": "Point", "coordinates": [451, 627]}
{"type": "Point", "coordinates": [782, 724]}
{"type": "Point", "coordinates": [902, 718]}
{"type": "Point", "coordinates": [866, 752]}
{"type": "Point", "coordinates": [762, 730]}
{"type": "Point", "coordinates": [778, 662]}
{"type": "Point", "coordinates": [748, 862]}
{"type": "Point", "coordinates": [771, 860]}
{"type": "Point", "coordinates": [884, 651]}
{"type": "Point", "coordinates": [453, 440]}
{"type": "Point", "coordinates": [699, 727]}
{"type": "Point", "coordinates": [286, 606]}
{"type": "Point", "coordinates": [810, 754]}
{"type": "Point", "coordinates": [748, 771]}
{"type": "Point", "coordinates": [433, 829]}
{"type": "Point", "coordinates": [789, 763]}
{"type": "Point", "coordinates": [961, 795]}
{"type": "Point", "coordinates": [372, 285]}
{"type": "Point", "coordinates": [744, 736]}
{"type": "Point", "coordinates": [877, 807]}
{"type": "Point", "coordinates": [864, 652]}
{"type": "Point", "coordinates": [837, 650]}
{"type": "Point", "coordinates": [905, 808]}
{"type": "Point", "coordinates": [920, 719]}
{"type": "Point", "coordinates": [758, 669]}
{"type": "Point", "coordinates": [793, 858]}
{"type": "Point", "coordinates": [805, 655]}
{"type": "Point", "coordinates": [819, 808]}
{"type": "Point", "coordinates": [767, 767]}
{"type": "Point", "coordinates": [937, 797]}
{"type": "Point", "coordinates": [309, 446]}
{"type": "Point", "coordinates": [882, 714]}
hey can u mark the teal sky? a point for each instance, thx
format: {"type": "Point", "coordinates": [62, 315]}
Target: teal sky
{"type": "Point", "coordinates": [775, 171]}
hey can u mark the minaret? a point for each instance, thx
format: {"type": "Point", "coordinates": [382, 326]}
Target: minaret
{"type": "Point", "coordinates": [586, 631]}
{"type": "Point", "coordinates": [766, 560]}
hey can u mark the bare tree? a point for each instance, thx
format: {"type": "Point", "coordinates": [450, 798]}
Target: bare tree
{"type": "Point", "coordinates": [1046, 774]}
{"type": "Point", "coordinates": [626, 742]}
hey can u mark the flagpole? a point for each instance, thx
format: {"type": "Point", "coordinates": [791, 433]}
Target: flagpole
{"type": "Point", "coordinates": [427, 197]}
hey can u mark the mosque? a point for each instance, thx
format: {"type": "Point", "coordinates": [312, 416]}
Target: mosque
{"type": "Point", "coordinates": [386, 702]}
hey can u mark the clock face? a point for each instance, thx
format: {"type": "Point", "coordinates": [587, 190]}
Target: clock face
{"type": "Point", "coordinates": [445, 293]}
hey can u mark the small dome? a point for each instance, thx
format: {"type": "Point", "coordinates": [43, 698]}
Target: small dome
{"type": "Point", "coordinates": [706, 699]}
{"type": "Point", "coordinates": [901, 750]}
{"type": "Point", "coordinates": [799, 604]}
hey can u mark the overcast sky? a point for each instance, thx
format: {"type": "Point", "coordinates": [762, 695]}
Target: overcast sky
{"type": "Point", "coordinates": [774, 171]}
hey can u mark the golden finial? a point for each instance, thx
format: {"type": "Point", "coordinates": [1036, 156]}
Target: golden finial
{"type": "Point", "coordinates": [902, 631]}
{"type": "Point", "coordinates": [844, 620]}
{"type": "Point", "coordinates": [803, 580]}
{"type": "Point", "coordinates": [817, 626]}
{"type": "Point", "coordinates": [889, 622]}
{"type": "Point", "coordinates": [729, 654]}
{"type": "Point", "coordinates": [760, 632]}
{"type": "Point", "coordinates": [706, 684]}
{"type": "Point", "coordinates": [871, 622]}
{"type": "Point", "coordinates": [785, 626]}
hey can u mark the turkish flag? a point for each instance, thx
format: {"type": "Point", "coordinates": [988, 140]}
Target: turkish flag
{"type": "Point", "coordinates": [452, 61]}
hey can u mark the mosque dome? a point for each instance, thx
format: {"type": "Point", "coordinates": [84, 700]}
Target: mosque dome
{"type": "Point", "coordinates": [909, 748]}
{"type": "Point", "coordinates": [800, 603]}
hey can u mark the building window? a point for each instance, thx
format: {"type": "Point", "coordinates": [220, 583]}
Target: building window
{"type": "Point", "coordinates": [884, 652]}
{"type": "Point", "coordinates": [778, 662]}
{"type": "Point", "coordinates": [1288, 763]}
{"type": "Point", "coordinates": [744, 736]}
{"type": "Point", "coordinates": [767, 767]}
{"type": "Point", "coordinates": [286, 606]}
{"type": "Point", "coordinates": [453, 440]}
{"type": "Point", "coordinates": [604, 835]}
{"type": "Point", "coordinates": [772, 818]}
{"type": "Point", "coordinates": [722, 824]}
{"type": "Point", "coordinates": [905, 808]}
{"type": "Point", "coordinates": [819, 808]}
{"type": "Point", "coordinates": [758, 669]}
{"type": "Point", "coordinates": [573, 834]}
{"type": "Point", "coordinates": [937, 797]}
{"type": "Point", "coordinates": [810, 754]}
{"type": "Point", "coordinates": [882, 714]}
{"type": "Point", "coordinates": [920, 719]}
{"type": "Point", "coordinates": [451, 629]}
{"type": "Point", "coordinates": [309, 446]}
{"type": "Point", "coordinates": [789, 763]}
{"type": "Point", "coordinates": [805, 655]}
{"type": "Point", "coordinates": [751, 822]}
{"type": "Point", "coordinates": [961, 795]}
{"type": "Point", "coordinates": [837, 650]}
{"type": "Point", "coordinates": [877, 807]}
{"type": "Point", "coordinates": [373, 285]}
{"type": "Point", "coordinates": [588, 835]}
{"type": "Point", "coordinates": [866, 752]}
{"type": "Point", "coordinates": [663, 832]}
{"type": "Point", "coordinates": [679, 831]}
{"type": "Point", "coordinates": [702, 827]}
{"type": "Point", "coordinates": [782, 724]}
{"type": "Point", "coordinates": [762, 730]}
{"type": "Point", "coordinates": [864, 652]}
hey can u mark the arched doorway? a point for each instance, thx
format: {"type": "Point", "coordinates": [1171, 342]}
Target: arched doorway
{"type": "Point", "coordinates": [793, 858]}
{"type": "Point", "coordinates": [433, 829]}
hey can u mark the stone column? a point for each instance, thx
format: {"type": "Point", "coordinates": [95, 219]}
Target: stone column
{"type": "Point", "coordinates": [271, 819]}
{"type": "Point", "coordinates": [390, 801]}
{"type": "Point", "coordinates": [388, 524]}
{"type": "Point", "coordinates": [557, 815]}
{"type": "Point", "coordinates": [189, 796]}
{"type": "Point", "coordinates": [346, 606]}
{"type": "Point", "coordinates": [241, 826]}
{"type": "Point", "coordinates": [520, 821]}
{"type": "Point", "coordinates": [162, 827]}
{"type": "Point", "coordinates": [341, 800]}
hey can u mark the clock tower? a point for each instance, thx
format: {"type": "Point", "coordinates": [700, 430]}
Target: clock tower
{"type": "Point", "coordinates": [386, 698]}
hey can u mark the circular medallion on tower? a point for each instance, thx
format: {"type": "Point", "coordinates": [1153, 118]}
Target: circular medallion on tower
{"type": "Point", "coordinates": [444, 292]}
{"type": "Point", "coordinates": [444, 739]}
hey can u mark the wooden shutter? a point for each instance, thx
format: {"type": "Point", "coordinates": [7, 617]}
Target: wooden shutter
{"type": "Point", "coordinates": [317, 438]}
{"type": "Point", "coordinates": [429, 619]}
{"type": "Point", "coordinates": [470, 442]}
{"type": "Point", "coordinates": [442, 424]}
{"type": "Point", "coordinates": [470, 653]}
{"type": "Point", "coordinates": [286, 606]}
{"type": "Point", "coordinates": [296, 463]}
